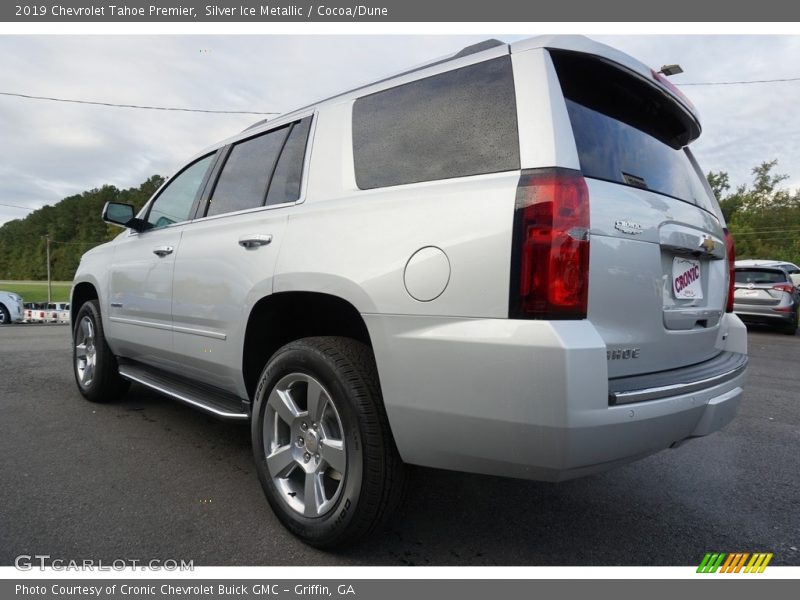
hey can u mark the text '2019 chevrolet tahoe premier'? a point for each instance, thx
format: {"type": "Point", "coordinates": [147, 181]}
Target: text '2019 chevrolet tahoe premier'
{"type": "Point", "coordinates": [503, 262]}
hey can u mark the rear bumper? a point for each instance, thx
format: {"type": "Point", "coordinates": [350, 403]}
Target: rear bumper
{"type": "Point", "coordinates": [530, 399]}
{"type": "Point", "coordinates": [764, 314]}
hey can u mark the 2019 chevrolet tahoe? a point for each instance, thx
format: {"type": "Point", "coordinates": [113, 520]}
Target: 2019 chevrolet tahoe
{"type": "Point", "coordinates": [507, 261]}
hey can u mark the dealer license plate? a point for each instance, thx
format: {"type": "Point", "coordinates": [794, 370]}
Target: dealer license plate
{"type": "Point", "coordinates": [687, 281]}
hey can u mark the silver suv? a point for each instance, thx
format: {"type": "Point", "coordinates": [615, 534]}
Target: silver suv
{"type": "Point", "coordinates": [766, 293]}
{"type": "Point", "coordinates": [506, 261]}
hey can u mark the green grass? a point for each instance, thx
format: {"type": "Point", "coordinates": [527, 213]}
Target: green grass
{"type": "Point", "coordinates": [36, 291]}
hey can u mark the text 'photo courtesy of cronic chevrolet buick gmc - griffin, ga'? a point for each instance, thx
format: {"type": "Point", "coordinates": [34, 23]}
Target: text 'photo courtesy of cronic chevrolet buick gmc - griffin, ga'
{"type": "Point", "coordinates": [505, 262]}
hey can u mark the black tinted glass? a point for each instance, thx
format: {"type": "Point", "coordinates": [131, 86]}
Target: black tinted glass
{"type": "Point", "coordinates": [285, 185]}
{"type": "Point", "coordinates": [245, 176]}
{"type": "Point", "coordinates": [615, 151]}
{"type": "Point", "coordinates": [462, 122]}
{"type": "Point", "coordinates": [757, 276]}
{"type": "Point", "coordinates": [175, 202]}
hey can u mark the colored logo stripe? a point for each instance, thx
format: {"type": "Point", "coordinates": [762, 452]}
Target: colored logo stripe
{"type": "Point", "coordinates": [758, 563]}
{"type": "Point", "coordinates": [734, 562]}
{"type": "Point", "coordinates": [711, 562]}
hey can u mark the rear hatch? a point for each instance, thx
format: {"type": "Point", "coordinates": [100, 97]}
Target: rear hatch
{"type": "Point", "coordinates": [759, 286]}
{"type": "Point", "coordinates": [657, 275]}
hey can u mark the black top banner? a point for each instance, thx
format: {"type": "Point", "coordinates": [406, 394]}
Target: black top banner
{"type": "Point", "coordinates": [401, 11]}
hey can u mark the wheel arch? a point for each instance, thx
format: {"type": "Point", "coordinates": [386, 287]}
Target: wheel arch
{"type": "Point", "coordinates": [81, 293]}
{"type": "Point", "coordinates": [283, 317]}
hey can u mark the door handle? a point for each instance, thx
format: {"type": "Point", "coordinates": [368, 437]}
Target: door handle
{"type": "Point", "coordinates": [254, 241]}
{"type": "Point", "coordinates": [163, 250]}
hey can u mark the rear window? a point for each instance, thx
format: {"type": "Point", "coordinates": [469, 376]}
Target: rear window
{"type": "Point", "coordinates": [628, 132]}
{"type": "Point", "coordinates": [245, 177]}
{"type": "Point", "coordinates": [757, 276]}
{"type": "Point", "coordinates": [285, 184]}
{"type": "Point", "coordinates": [462, 122]}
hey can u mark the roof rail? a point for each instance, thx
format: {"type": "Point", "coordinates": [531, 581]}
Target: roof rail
{"type": "Point", "coordinates": [479, 47]}
{"type": "Point", "coordinates": [472, 49]}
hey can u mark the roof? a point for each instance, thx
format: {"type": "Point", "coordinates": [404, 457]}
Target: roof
{"type": "Point", "coordinates": [758, 262]}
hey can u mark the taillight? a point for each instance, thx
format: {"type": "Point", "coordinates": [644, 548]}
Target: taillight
{"type": "Point", "coordinates": [550, 246]}
{"type": "Point", "coordinates": [730, 250]}
{"type": "Point", "coordinates": [784, 287]}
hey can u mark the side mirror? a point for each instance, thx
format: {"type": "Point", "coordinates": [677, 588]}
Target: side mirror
{"type": "Point", "coordinates": [122, 215]}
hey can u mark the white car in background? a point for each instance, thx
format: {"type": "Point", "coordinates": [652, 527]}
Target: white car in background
{"type": "Point", "coordinates": [11, 310]}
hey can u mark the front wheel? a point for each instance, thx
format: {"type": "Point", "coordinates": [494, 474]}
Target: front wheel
{"type": "Point", "coordinates": [323, 449]}
{"type": "Point", "coordinates": [5, 316]}
{"type": "Point", "coordinates": [94, 365]}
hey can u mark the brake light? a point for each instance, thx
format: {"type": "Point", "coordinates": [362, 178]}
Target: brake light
{"type": "Point", "coordinates": [550, 246]}
{"type": "Point", "coordinates": [784, 287]}
{"type": "Point", "coordinates": [730, 251]}
{"type": "Point", "coordinates": [660, 78]}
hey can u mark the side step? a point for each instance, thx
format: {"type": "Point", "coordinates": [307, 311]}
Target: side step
{"type": "Point", "coordinates": [210, 400]}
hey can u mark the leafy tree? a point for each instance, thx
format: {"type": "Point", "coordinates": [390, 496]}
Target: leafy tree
{"type": "Point", "coordinates": [73, 225]}
{"type": "Point", "coordinates": [764, 217]}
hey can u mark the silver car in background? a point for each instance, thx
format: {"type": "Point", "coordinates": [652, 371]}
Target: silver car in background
{"type": "Point", "coordinates": [766, 293]}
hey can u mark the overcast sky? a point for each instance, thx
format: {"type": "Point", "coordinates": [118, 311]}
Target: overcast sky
{"type": "Point", "coordinates": [51, 150]}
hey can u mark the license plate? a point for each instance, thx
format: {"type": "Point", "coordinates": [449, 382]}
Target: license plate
{"type": "Point", "coordinates": [687, 283]}
{"type": "Point", "coordinates": [750, 293]}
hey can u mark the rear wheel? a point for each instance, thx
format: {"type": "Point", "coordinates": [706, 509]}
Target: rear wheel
{"type": "Point", "coordinates": [791, 328]}
{"type": "Point", "coordinates": [94, 365]}
{"type": "Point", "coordinates": [323, 449]}
{"type": "Point", "coordinates": [5, 316]}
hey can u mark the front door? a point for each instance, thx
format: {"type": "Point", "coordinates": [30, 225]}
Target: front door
{"type": "Point", "coordinates": [139, 324]}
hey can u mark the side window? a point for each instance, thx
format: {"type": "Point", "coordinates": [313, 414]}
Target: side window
{"type": "Point", "coordinates": [246, 174]}
{"type": "Point", "coordinates": [174, 203]}
{"type": "Point", "coordinates": [285, 185]}
{"type": "Point", "coordinates": [462, 122]}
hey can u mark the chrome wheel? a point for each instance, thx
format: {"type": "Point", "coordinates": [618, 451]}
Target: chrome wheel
{"type": "Point", "coordinates": [304, 445]}
{"type": "Point", "coordinates": [85, 351]}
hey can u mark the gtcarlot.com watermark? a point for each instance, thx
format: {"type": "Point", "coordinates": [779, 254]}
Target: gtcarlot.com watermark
{"type": "Point", "coordinates": [29, 562]}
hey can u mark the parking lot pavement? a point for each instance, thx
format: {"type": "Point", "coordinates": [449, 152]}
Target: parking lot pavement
{"type": "Point", "coordinates": [150, 478]}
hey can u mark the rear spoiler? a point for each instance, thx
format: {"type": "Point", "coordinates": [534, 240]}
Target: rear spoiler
{"type": "Point", "coordinates": [583, 45]}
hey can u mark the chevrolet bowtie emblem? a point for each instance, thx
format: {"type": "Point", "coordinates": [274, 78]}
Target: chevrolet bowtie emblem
{"type": "Point", "coordinates": [708, 244]}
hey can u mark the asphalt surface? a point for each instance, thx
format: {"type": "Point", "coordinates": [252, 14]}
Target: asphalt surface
{"type": "Point", "coordinates": [148, 478]}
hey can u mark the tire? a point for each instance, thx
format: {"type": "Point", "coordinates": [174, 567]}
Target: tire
{"type": "Point", "coordinates": [93, 363]}
{"type": "Point", "coordinates": [345, 454]}
{"type": "Point", "coordinates": [791, 328]}
{"type": "Point", "coordinates": [5, 316]}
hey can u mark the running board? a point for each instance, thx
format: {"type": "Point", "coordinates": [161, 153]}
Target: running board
{"type": "Point", "coordinates": [215, 402]}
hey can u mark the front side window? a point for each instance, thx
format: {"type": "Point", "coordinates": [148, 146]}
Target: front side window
{"type": "Point", "coordinates": [174, 204]}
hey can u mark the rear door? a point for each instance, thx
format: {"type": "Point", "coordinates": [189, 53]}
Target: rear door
{"type": "Point", "coordinates": [658, 274]}
{"type": "Point", "coordinates": [228, 254]}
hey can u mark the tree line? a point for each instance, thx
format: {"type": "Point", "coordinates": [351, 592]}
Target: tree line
{"type": "Point", "coordinates": [73, 225]}
{"type": "Point", "coordinates": [763, 217]}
